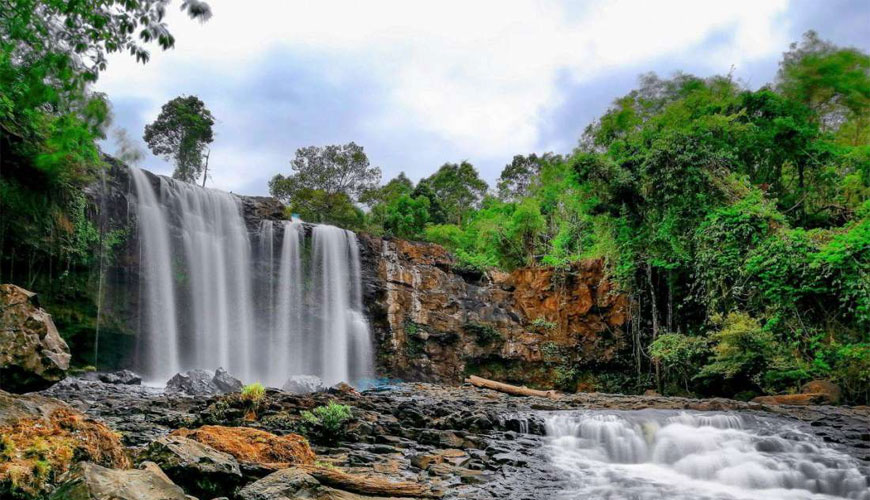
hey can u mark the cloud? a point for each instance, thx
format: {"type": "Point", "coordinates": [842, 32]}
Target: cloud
{"type": "Point", "coordinates": [420, 84]}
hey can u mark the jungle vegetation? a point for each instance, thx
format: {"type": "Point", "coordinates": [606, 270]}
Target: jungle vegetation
{"type": "Point", "coordinates": [737, 220]}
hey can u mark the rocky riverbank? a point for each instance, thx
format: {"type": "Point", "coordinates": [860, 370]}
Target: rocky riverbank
{"type": "Point", "coordinates": [449, 441]}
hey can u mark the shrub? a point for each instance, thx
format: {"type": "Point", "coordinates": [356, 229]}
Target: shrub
{"type": "Point", "coordinates": [327, 424]}
{"type": "Point", "coordinates": [484, 334]}
{"type": "Point", "coordinates": [253, 393]}
{"type": "Point", "coordinates": [680, 355]}
{"type": "Point", "coordinates": [252, 396]}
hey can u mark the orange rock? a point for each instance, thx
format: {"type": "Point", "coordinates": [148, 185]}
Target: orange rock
{"type": "Point", "coordinates": [826, 387]}
{"type": "Point", "coordinates": [253, 445]}
{"type": "Point", "coordinates": [793, 399]}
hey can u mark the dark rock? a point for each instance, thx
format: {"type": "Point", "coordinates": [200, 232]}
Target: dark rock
{"type": "Point", "coordinates": [285, 484]}
{"type": "Point", "coordinates": [33, 356]}
{"type": "Point", "coordinates": [303, 384]}
{"type": "Point", "coordinates": [225, 382]}
{"type": "Point", "coordinates": [198, 468]}
{"type": "Point", "coordinates": [87, 481]}
{"type": "Point", "coordinates": [120, 377]}
{"type": "Point", "coordinates": [203, 383]}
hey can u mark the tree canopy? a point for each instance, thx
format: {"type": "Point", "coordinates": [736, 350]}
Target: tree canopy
{"type": "Point", "coordinates": [182, 133]}
{"type": "Point", "coordinates": [327, 182]}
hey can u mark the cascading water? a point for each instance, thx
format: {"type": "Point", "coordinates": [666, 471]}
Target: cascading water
{"type": "Point", "coordinates": [652, 454]}
{"type": "Point", "coordinates": [261, 304]}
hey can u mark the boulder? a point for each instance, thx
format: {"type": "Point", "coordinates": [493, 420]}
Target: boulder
{"type": "Point", "coordinates": [225, 382]}
{"type": "Point", "coordinates": [87, 481]}
{"type": "Point", "coordinates": [303, 384]}
{"type": "Point", "coordinates": [203, 383]}
{"type": "Point", "coordinates": [329, 484]}
{"type": "Point", "coordinates": [33, 356]}
{"type": "Point", "coordinates": [286, 484]}
{"type": "Point", "coordinates": [199, 469]}
{"type": "Point", "coordinates": [41, 438]}
{"type": "Point", "coordinates": [253, 448]}
{"type": "Point", "coordinates": [120, 377]}
{"type": "Point", "coordinates": [825, 387]}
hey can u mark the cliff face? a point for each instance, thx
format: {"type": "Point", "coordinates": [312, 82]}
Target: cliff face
{"type": "Point", "coordinates": [433, 322]}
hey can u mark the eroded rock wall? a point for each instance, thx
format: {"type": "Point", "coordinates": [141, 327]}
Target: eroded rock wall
{"type": "Point", "coordinates": [435, 322]}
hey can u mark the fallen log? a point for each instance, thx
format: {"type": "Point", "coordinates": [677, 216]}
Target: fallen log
{"type": "Point", "coordinates": [368, 484]}
{"type": "Point", "coordinates": [515, 390]}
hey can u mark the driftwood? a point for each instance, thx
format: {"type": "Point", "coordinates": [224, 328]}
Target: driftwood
{"type": "Point", "coordinates": [368, 484]}
{"type": "Point", "coordinates": [510, 389]}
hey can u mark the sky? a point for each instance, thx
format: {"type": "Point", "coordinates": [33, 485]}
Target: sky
{"type": "Point", "coordinates": [420, 84]}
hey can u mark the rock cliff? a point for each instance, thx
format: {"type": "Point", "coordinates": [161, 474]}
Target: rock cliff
{"type": "Point", "coordinates": [433, 321]}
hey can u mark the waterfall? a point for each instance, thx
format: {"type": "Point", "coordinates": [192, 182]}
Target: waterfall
{"type": "Point", "coordinates": [158, 330]}
{"type": "Point", "coordinates": [687, 455]}
{"type": "Point", "coordinates": [258, 301]}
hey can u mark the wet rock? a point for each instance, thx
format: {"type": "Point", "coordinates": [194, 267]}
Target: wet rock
{"type": "Point", "coordinates": [203, 383]}
{"type": "Point", "coordinates": [120, 377]}
{"type": "Point", "coordinates": [225, 382]}
{"type": "Point", "coordinates": [199, 469]}
{"type": "Point", "coordinates": [303, 384]}
{"type": "Point", "coordinates": [87, 481]}
{"type": "Point", "coordinates": [33, 356]}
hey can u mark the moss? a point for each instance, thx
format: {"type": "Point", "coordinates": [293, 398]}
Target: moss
{"type": "Point", "coordinates": [484, 335]}
{"type": "Point", "coordinates": [34, 452]}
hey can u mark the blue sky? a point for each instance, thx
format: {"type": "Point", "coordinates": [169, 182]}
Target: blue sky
{"type": "Point", "coordinates": [419, 84]}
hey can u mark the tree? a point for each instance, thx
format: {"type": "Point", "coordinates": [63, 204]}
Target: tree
{"type": "Point", "coordinates": [182, 132]}
{"type": "Point", "coordinates": [459, 187]}
{"type": "Point", "coordinates": [406, 217]}
{"type": "Point", "coordinates": [833, 81]}
{"type": "Point", "coordinates": [326, 179]}
{"type": "Point", "coordinates": [517, 176]}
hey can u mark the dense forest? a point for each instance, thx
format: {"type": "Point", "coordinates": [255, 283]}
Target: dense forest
{"type": "Point", "coordinates": [737, 220]}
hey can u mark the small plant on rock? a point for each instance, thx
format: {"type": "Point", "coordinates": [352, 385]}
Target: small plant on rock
{"type": "Point", "coordinates": [253, 396]}
{"type": "Point", "coordinates": [327, 424]}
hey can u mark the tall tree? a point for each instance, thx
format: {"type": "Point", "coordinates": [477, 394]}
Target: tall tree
{"type": "Point", "coordinates": [833, 81]}
{"type": "Point", "coordinates": [182, 132]}
{"type": "Point", "coordinates": [326, 180]}
{"type": "Point", "coordinates": [517, 176]}
{"type": "Point", "coordinates": [459, 187]}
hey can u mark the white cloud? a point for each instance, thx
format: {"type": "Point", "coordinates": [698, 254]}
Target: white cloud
{"type": "Point", "coordinates": [477, 74]}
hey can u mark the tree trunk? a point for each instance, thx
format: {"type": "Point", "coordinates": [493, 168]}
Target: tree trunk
{"type": "Point", "coordinates": [655, 322]}
{"type": "Point", "coordinates": [510, 389]}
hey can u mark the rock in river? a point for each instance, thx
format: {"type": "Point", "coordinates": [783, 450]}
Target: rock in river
{"type": "Point", "coordinates": [203, 383]}
{"type": "Point", "coordinates": [33, 356]}
{"type": "Point", "coordinates": [303, 384]}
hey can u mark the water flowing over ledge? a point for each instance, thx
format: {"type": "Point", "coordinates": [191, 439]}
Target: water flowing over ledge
{"type": "Point", "coordinates": [651, 454]}
{"type": "Point", "coordinates": [264, 304]}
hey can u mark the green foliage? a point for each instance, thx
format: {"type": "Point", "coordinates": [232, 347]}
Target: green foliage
{"type": "Point", "coordinates": [327, 424]}
{"type": "Point", "coordinates": [680, 355]}
{"type": "Point", "coordinates": [327, 182]}
{"type": "Point", "coordinates": [406, 217]}
{"type": "Point", "coordinates": [458, 187]}
{"type": "Point", "coordinates": [182, 132]}
{"type": "Point", "coordinates": [741, 347]}
{"type": "Point", "coordinates": [253, 393]}
{"type": "Point", "coordinates": [484, 335]}
{"type": "Point", "coordinates": [541, 324]}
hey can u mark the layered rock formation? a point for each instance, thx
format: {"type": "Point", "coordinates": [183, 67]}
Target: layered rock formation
{"type": "Point", "coordinates": [436, 322]}
{"type": "Point", "coordinates": [33, 356]}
